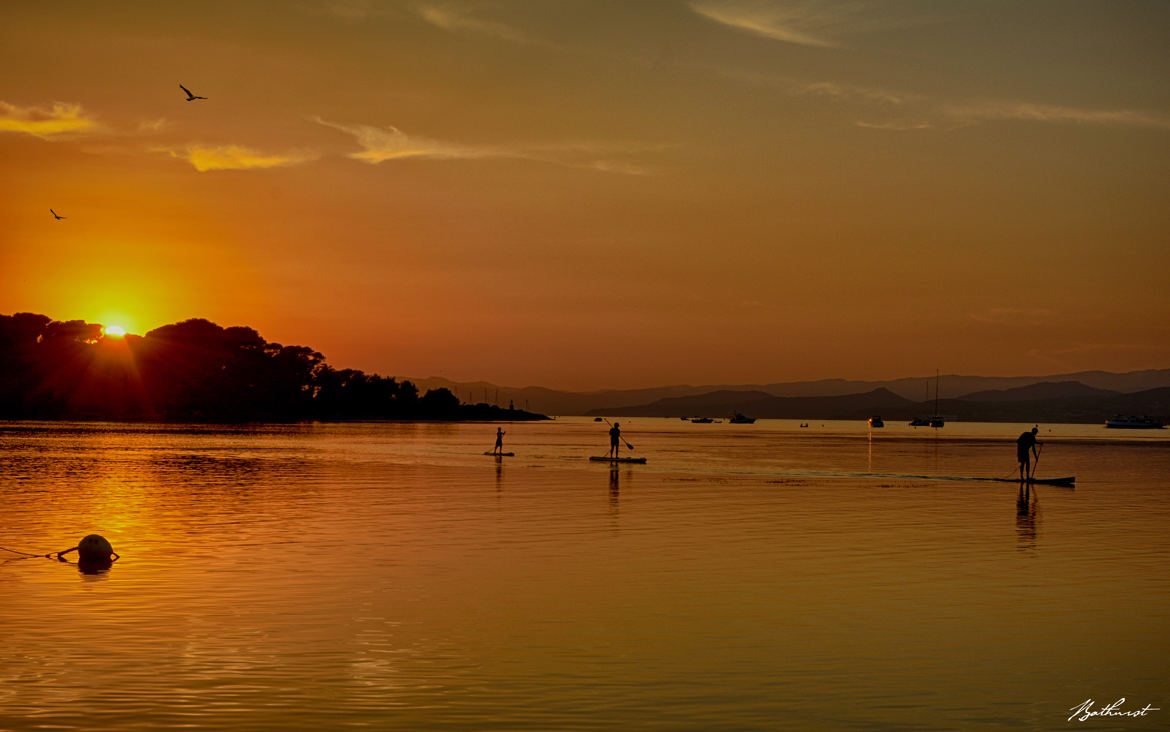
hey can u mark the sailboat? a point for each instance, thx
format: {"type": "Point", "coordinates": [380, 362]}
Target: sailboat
{"type": "Point", "coordinates": [934, 420]}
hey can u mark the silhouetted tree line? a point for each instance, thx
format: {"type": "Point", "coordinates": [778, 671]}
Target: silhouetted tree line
{"type": "Point", "coordinates": [196, 371]}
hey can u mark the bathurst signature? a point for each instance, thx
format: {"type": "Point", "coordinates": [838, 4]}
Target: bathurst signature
{"type": "Point", "coordinates": [1084, 710]}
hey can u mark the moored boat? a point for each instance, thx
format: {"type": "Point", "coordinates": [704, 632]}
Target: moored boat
{"type": "Point", "coordinates": [1133, 423]}
{"type": "Point", "coordinates": [741, 419]}
{"type": "Point", "coordinates": [933, 420]}
{"type": "Point", "coordinates": [876, 421]}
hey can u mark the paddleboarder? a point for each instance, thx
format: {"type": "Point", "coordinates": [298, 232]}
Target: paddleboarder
{"type": "Point", "coordinates": [615, 436]}
{"type": "Point", "coordinates": [499, 448]}
{"type": "Point", "coordinates": [1025, 450]}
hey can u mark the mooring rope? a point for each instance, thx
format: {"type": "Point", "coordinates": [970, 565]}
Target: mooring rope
{"type": "Point", "coordinates": [46, 556]}
{"type": "Point", "coordinates": [26, 553]}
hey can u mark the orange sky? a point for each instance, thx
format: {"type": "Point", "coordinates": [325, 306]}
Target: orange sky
{"type": "Point", "coordinates": [586, 194]}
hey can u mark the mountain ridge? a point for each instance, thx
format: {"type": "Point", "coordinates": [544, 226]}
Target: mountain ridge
{"type": "Point", "coordinates": [917, 389]}
{"type": "Point", "coordinates": [1085, 406]}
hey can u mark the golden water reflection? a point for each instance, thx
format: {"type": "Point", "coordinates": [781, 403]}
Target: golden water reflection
{"type": "Point", "coordinates": [310, 577]}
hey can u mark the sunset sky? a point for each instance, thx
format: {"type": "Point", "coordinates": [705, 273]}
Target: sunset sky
{"type": "Point", "coordinates": [584, 194]}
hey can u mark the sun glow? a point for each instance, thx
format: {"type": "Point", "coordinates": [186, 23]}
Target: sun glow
{"type": "Point", "coordinates": [115, 330]}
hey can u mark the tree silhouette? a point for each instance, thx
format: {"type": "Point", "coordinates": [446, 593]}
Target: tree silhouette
{"type": "Point", "coordinates": [195, 370]}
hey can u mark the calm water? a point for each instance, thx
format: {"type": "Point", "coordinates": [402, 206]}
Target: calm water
{"type": "Point", "coordinates": [748, 577]}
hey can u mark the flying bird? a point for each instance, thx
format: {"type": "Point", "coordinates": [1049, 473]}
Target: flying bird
{"type": "Point", "coordinates": [55, 215]}
{"type": "Point", "coordinates": [190, 97]}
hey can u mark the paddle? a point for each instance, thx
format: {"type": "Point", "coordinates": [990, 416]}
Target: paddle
{"type": "Point", "coordinates": [620, 435]}
{"type": "Point", "coordinates": [1037, 463]}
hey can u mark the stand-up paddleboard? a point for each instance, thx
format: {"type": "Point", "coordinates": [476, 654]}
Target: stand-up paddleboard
{"type": "Point", "coordinates": [639, 461]}
{"type": "Point", "coordinates": [1069, 482]}
{"type": "Point", "coordinates": [501, 454]}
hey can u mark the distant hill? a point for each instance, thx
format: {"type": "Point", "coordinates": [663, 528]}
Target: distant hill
{"type": "Point", "coordinates": [1088, 408]}
{"type": "Point", "coordinates": [1091, 406]}
{"type": "Point", "coordinates": [552, 401]}
{"type": "Point", "coordinates": [1057, 403]}
{"type": "Point", "coordinates": [957, 386]}
{"type": "Point", "coordinates": [1043, 390]}
{"type": "Point", "coordinates": [762, 405]}
{"type": "Point", "coordinates": [916, 389]}
{"type": "Point", "coordinates": [724, 401]}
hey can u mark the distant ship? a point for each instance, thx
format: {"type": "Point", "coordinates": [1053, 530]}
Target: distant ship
{"type": "Point", "coordinates": [876, 421]}
{"type": "Point", "coordinates": [702, 420]}
{"type": "Point", "coordinates": [741, 419]}
{"type": "Point", "coordinates": [1133, 423]}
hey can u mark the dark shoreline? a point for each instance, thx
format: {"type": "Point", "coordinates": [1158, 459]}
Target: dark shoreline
{"type": "Point", "coordinates": [503, 415]}
{"type": "Point", "coordinates": [199, 372]}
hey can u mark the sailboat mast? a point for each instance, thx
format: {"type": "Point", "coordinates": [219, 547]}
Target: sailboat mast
{"type": "Point", "coordinates": [936, 391]}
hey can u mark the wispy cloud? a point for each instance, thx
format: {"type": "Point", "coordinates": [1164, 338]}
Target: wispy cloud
{"type": "Point", "coordinates": [457, 19]}
{"type": "Point", "coordinates": [1111, 348]}
{"type": "Point", "coordinates": [352, 10]}
{"type": "Point", "coordinates": [807, 23]}
{"type": "Point", "coordinates": [382, 144]}
{"type": "Point", "coordinates": [390, 143]}
{"type": "Point", "coordinates": [883, 108]}
{"type": "Point", "coordinates": [453, 16]}
{"type": "Point", "coordinates": [1023, 317]}
{"type": "Point", "coordinates": [621, 167]}
{"type": "Point", "coordinates": [894, 126]}
{"type": "Point", "coordinates": [816, 23]}
{"type": "Point", "coordinates": [236, 157]}
{"type": "Point", "coordinates": [834, 90]}
{"type": "Point", "coordinates": [62, 120]}
{"type": "Point", "coordinates": [973, 113]}
{"type": "Point", "coordinates": [151, 126]}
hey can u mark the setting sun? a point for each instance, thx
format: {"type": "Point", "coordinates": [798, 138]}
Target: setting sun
{"type": "Point", "coordinates": [115, 330]}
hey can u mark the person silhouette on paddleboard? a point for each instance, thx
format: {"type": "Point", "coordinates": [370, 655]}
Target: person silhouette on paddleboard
{"type": "Point", "coordinates": [499, 448]}
{"type": "Point", "coordinates": [615, 436]}
{"type": "Point", "coordinates": [1025, 450]}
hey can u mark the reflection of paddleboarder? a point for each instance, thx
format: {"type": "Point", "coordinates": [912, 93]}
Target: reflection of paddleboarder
{"type": "Point", "coordinates": [1025, 451]}
{"type": "Point", "coordinates": [499, 448]}
{"type": "Point", "coordinates": [615, 436]}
